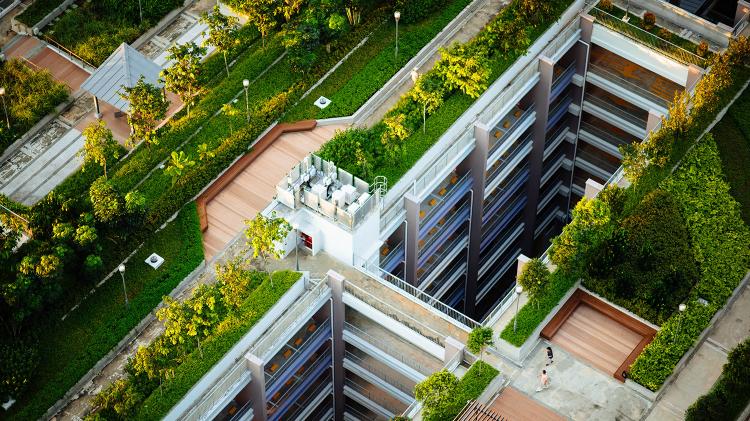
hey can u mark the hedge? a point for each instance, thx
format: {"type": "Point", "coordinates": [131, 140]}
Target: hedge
{"type": "Point", "coordinates": [471, 385]}
{"type": "Point", "coordinates": [372, 65]}
{"type": "Point", "coordinates": [719, 241]}
{"type": "Point", "coordinates": [72, 346]}
{"type": "Point", "coordinates": [734, 146]}
{"type": "Point", "coordinates": [232, 329]}
{"type": "Point", "coordinates": [731, 393]}
{"type": "Point", "coordinates": [531, 315]}
{"type": "Point", "coordinates": [37, 11]}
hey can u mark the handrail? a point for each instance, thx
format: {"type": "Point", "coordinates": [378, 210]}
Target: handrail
{"type": "Point", "coordinates": [219, 390]}
{"type": "Point", "coordinates": [616, 111]}
{"type": "Point", "coordinates": [380, 345]}
{"type": "Point", "coordinates": [598, 68]}
{"type": "Point", "coordinates": [646, 38]}
{"type": "Point", "coordinates": [374, 398]}
{"type": "Point", "coordinates": [67, 51]}
{"type": "Point", "coordinates": [530, 109]}
{"type": "Point", "coordinates": [279, 371]}
{"type": "Point", "coordinates": [603, 134]}
{"type": "Point", "coordinates": [379, 373]}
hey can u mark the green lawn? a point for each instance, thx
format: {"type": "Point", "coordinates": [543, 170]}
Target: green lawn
{"type": "Point", "coordinates": [732, 134]}
{"type": "Point", "coordinates": [69, 348]}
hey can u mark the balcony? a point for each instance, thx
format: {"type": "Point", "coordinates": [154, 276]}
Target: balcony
{"type": "Point", "coordinates": [595, 161]}
{"type": "Point", "coordinates": [379, 374]}
{"type": "Point", "coordinates": [513, 185]}
{"type": "Point", "coordinates": [554, 140]}
{"type": "Point", "coordinates": [487, 259]}
{"type": "Point", "coordinates": [615, 83]}
{"type": "Point", "coordinates": [549, 193]}
{"type": "Point", "coordinates": [371, 396]}
{"type": "Point", "coordinates": [506, 262]}
{"type": "Point", "coordinates": [306, 376]}
{"type": "Point", "coordinates": [552, 164]}
{"type": "Point", "coordinates": [280, 369]}
{"type": "Point", "coordinates": [516, 121]}
{"type": "Point", "coordinates": [562, 78]}
{"type": "Point", "coordinates": [391, 258]}
{"type": "Point", "coordinates": [440, 202]}
{"type": "Point", "coordinates": [446, 248]}
{"type": "Point", "coordinates": [430, 240]}
{"type": "Point", "coordinates": [311, 406]}
{"type": "Point", "coordinates": [559, 109]}
{"type": "Point", "coordinates": [444, 279]}
{"type": "Point", "coordinates": [505, 164]}
{"type": "Point", "coordinates": [602, 139]}
{"type": "Point", "coordinates": [502, 220]}
{"type": "Point", "coordinates": [620, 117]}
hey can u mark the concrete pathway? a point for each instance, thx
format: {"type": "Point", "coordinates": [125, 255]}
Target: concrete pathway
{"type": "Point", "coordinates": [702, 371]}
{"type": "Point", "coordinates": [469, 30]}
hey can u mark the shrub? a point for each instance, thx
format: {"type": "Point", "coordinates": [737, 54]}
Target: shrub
{"type": "Point", "coordinates": [666, 34]}
{"type": "Point", "coordinates": [731, 393]}
{"type": "Point", "coordinates": [605, 5]}
{"type": "Point", "coordinates": [444, 396]}
{"type": "Point", "coordinates": [702, 49]}
{"type": "Point", "coordinates": [19, 362]}
{"type": "Point", "coordinates": [416, 10]}
{"type": "Point", "coordinates": [649, 21]}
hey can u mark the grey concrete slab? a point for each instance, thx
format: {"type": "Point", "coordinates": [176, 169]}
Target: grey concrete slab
{"type": "Point", "coordinates": [735, 326]}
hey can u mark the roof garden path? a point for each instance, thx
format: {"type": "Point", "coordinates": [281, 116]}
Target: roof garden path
{"type": "Point", "coordinates": [468, 31]}
{"type": "Point", "coordinates": [704, 368]}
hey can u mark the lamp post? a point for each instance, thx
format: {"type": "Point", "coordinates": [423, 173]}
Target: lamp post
{"type": "Point", "coordinates": [296, 246]}
{"type": "Point", "coordinates": [246, 84]}
{"type": "Point", "coordinates": [397, 16]}
{"type": "Point", "coordinates": [121, 269]}
{"type": "Point", "coordinates": [2, 95]}
{"type": "Point", "coordinates": [681, 308]}
{"type": "Point", "coordinates": [140, 10]}
{"type": "Point", "coordinates": [519, 290]}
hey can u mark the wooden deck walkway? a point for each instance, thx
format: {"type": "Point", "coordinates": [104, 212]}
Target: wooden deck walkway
{"type": "Point", "coordinates": [253, 189]}
{"type": "Point", "coordinates": [513, 405]}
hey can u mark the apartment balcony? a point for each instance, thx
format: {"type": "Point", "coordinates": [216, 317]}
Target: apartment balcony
{"type": "Point", "coordinates": [562, 78]}
{"type": "Point", "coordinates": [602, 139]}
{"type": "Point", "coordinates": [622, 118]}
{"type": "Point", "coordinates": [552, 142]}
{"type": "Point", "coordinates": [510, 127]}
{"type": "Point", "coordinates": [446, 249]}
{"type": "Point", "coordinates": [546, 217]}
{"type": "Point", "coordinates": [558, 109]}
{"type": "Point", "coordinates": [284, 365]}
{"type": "Point", "coordinates": [391, 258]}
{"type": "Point", "coordinates": [558, 160]}
{"type": "Point", "coordinates": [628, 89]}
{"type": "Point", "coordinates": [441, 201]}
{"type": "Point", "coordinates": [372, 397]}
{"type": "Point", "coordinates": [443, 271]}
{"type": "Point", "coordinates": [596, 162]}
{"type": "Point", "coordinates": [504, 193]}
{"type": "Point", "coordinates": [438, 285]}
{"type": "Point", "coordinates": [549, 193]}
{"type": "Point", "coordinates": [306, 376]}
{"type": "Point", "coordinates": [504, 166]}
{"type": "Point", "coordinates": [504, 264]}
{"type": "Point", "coordinates": [379, 374]}
{"type": "Point", "coordinates": [389, 348]}
{"type": "Point", "coordinates": [491, 255]}
{"type": "Point", "coordinates": [353, 411]}
{"type": "Point", "coordinates": [323, 412]}
{"type": "Point", "coordinates": [310, 406]}
{"type": "Point", "coordinates": [502, 221]}
{"type": "Point", "coordinates": [434, 239]}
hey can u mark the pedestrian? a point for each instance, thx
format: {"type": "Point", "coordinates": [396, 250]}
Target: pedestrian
{"type": "Point", "coordinates": [543, 381]}
{"type": "Point", "coordinates": [549, 355]}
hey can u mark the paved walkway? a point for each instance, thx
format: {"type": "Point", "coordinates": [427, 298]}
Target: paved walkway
{"type": "Point", "coordinates": [702, 371]}
{"type": "Point", "coordinates": [253, 189]}
{"type": "Point", "coordinates": [468, 31]}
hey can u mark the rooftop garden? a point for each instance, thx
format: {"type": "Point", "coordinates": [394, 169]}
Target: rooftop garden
{"type": "Point", "coordinates": [94, 29]}
{"type": "Point", "coordinates": [676, 227]}
{"type": "Point", "coordinates": [29, 96]}
{"type": "Point", "coordinates": [646, 31]}
{"type": "Point", "coordinates": [443, 395]}
{"type": "Point", "coordinates": [391, 147]}
{"type": "Point", "coordinates": [116, 212]}
{"type": "Point", "coordinates": [37, 11]}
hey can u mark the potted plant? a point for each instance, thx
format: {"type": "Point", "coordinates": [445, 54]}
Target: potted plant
{"type": "Point", "coordinates": [649, 21]}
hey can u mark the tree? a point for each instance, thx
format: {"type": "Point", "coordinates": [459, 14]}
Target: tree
{"type": "Point", "coordinates": [105, 200]}
{"type": "Point", "coordinates": [300, 43]}
{"type": "Point", "coordinates": [263, 234]}
{"type": "Point", "coordinates": [230, 111]}
{"type": "Point", "coordinates": [178, 165]}
{"type": "Point", "coordinates": [147, 108]}
{"type": "Point", "coordinates": [19, 363]}
{"type": "Point", "coordinates": [535, 280]}
{"type": "Point", "coordinates": [437, 392]}
{"type": "Point", "coordinates": [479, 339]}
{"type": "Point", "coordinates": [461, 69]}
{"type": "Point", "coordinates": [261, 14]}
{"type": "Point", "coordinates": [234, 280]}
{"type": "Point", "coordinates": [99, 145]}
{"type": "Point", "coordinates": [222, 32]}
{"type": "Point", "coordinates": [508, 36]}
{"type": "Point", "coordinates": [394, 134]}
{"type": "Point", "coordinates": [206, 311]}
{"type": "Point", "coordinates": [534, 10]}
{"type": "Point", "coordinates": [429, 92]}
{"type": "Point", "coordinates": [182, 77]}
{"type": "Point", "coordinates": [289, 8]}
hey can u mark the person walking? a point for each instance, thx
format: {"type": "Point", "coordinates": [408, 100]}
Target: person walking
{"type": "Point", "coordinates": [543, 381]}
{"type": "Point", "coordinates": [549, 356]}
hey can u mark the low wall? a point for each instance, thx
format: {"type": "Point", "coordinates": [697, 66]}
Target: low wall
{"type": "Point", "coordinates": [51, 16]}
{"type": "Point", "coordinates": [713, 32]}
{"type": "Point", "coordinates": [235, 169]}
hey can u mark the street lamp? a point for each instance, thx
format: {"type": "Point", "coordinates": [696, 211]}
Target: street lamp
{"type": "Point", "coordinates": [246, 84]}
{"type": "Point", "coordinates": [681, 308]}
{"type": "Point", "coordinates": [121, 269]}
{"type": "Point", "coordinates": [296, 244]}
{"type": "Point", "coordinates": [397, 16]}
{"type": "Point", "coordinates": [519, 290]}
{"type": "Point", "coordinates": [2, 95]}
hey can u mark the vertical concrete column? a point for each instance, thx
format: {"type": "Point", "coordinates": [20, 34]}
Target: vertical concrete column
{"type": "Point", "coordinates": [412, 232]}
{"type": "Point", "coordinates": [478, 163]}
{"type": "Point", "coordinates": [453, 347]}
{"type": "Point", "coordinates": [695, 74]}
{"type": "Point", "coordinates": [743, 8]}
{"type": "Point", "coordinates": [587, 28]}
{"type": "Point", "coordinates": [541, 105]}
{"type": "Point", "coordinates": [338, 308]}
{"type": "Point", "coordinates": [257, 386]}
{"type": "Point", "coordinates": [654, 118]}
{"type": "Point", "coordinates": [592, 189]}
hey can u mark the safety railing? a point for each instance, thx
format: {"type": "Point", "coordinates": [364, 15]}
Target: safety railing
{"type": "Point", "coordinates": [319, 331]}
{"type": "Point", "coordinates": [384, 347]}
{"type": "Point", "coordinates": [611, 76]}
{"type": "Point", "coordinates": [646, 38]}
{"type": "Point", "coordinates": [521, 120]}
{"type": "Point", "coordinates": [603, 134]}
{"type": "Point", "coordinates": [219, 392]}
{"type": "Point", "coordinates": [379, 372]}
{"type": "Point", "coordinates": [273, 337]}
{"type": "Point", "coordinates": [616, 111]}
{"type": "Point", "coordinates": [444, 162]}
{"type": "Point", "coordinates": [381, 398]}
{"type": "Point", "coordinates": [490, 115]}
{"type": "Point", "coordinates": [501, 307]}
{"type": "Point", "coordinates": [71, 55]}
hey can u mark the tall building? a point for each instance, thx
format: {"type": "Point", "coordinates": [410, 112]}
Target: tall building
{"type": "Point", "coordinates": [417, 262]}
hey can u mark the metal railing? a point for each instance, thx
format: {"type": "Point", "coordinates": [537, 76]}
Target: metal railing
{"type": "Point", "coordinates": [280, 330]}
{"type": "Point", "coordinates": [446, 161]}
{"type": "Point", "coordinates": [565, 73]}
{"type": "Point", "coordinates": [603, 134]}
{"type": "Point", "coordinates": [741, 25]}
{"type": "Point", "coordinates": [309, 398]}
{"type": "Point", "coordinates": [423, 297]}
{"type": "Point", "coordinates": [616, 111]}
{"type": "Point", "coordinates": [219, 391]}
{"type": "Point", "coordinates": [521, 119]}
{"type": "Point", "coordinates": [646, 38]}
{"type": "Point", "coordinates": [271, 378]}
{"type": "Point", "coordinates": [624, 83]}
{"type": "Point", "coordinates": [384, 347]}
{"type": "Point", "coordinates": [395, 314]}
{"type": "Point", "coordinates": [379, 373]}
{"type": "Point", "coordinates": [72, 56]}
{"type": "Point", "coordinates": [489, 115]}
{"type": "Point", "coordinates": [450, 189]}
{"type": "Point", "coordinates": [502, 306]}
{"type": "Point", "coordinates": [381, 398]}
